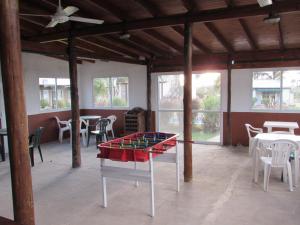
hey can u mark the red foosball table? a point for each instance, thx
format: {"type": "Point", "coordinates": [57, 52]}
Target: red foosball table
{"type": "Point", "coordinates": [142, 147]}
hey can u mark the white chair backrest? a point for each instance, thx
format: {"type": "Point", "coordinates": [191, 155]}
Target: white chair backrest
{"type": "Point", "coordinates": [252, 130]}
{"type": "Point", "coordinates": [112, 119]}
{"type": "Point", "coordinates": [57, 121]}
{"type": "Point", "coordinates": [281, 150]}
{"type": "Point", "coordinates": [83, 124]}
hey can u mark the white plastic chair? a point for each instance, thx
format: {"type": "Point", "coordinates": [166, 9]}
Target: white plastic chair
{"type": "Point", "coordinates": [252, 132]}
{"type": "Point", "coordinates": [109, 127]}
{"type": "Point", "coordinates": [63, 126]}
{"type": "Point", "coordinates": [83, 131]}
{"type": "Point", "coordinates": [281, 150]}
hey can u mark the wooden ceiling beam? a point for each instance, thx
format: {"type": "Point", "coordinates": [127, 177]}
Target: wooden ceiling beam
{"type": "Point", "coordinates": [165, 40]}
{"type": "Point", "coordinates": [110, 8]}
{"type": "Point", "coordinates": [52, 49]}
{"type": "Point", "coordinates": [229, 3]}
{"type": "Point", "coordinates": [221, 60]}
{"type": "Point", "coordinates": [130, 42]}
{"type": "Point", "coordinates": [249, 36]}
{"type": "Point", "coordinates": [196, 42]}
{"type": "Point", "coordinates": [281, 38]}
{"type": "Point", "coordinates": [147, 46]}
{"type": "Point", "coordinates": [153, 9]}
{"type": "Point", "coordinates": [112, 46]}
{"type": "Point", "coordinates": [203, 16]}
{"type": "Point", "coordinates": [212, 28]}
{"type": "Point", "coordinates": [190, 5]}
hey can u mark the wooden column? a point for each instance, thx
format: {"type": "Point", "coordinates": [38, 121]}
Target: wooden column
{"type": "Point", "coordinates": [16, 116]}
{"type": "Point", "coordinates": [76, 154]}
{"type": "Point", "coordinates": [187, 103]}
{"type": "Point", "coordinates": [149, 89]}
{"type": "Point", "coordinates": [229, 127]}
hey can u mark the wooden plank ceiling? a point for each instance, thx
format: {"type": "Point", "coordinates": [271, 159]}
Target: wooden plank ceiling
{"type": "Point", "coordinates": [237, 36]}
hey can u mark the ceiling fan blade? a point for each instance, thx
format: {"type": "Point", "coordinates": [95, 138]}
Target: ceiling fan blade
{"type": "Point", "coordinates": [70, 10]}
{"type": "Point", "coordinates": [38, 15]}
{"type": "Point", "coordinates": [85, 20]}
{"type": "Point", "coordinates": [52, 23]}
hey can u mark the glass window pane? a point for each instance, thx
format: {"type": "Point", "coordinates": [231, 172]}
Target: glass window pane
{"type": "Point", "coordinates": [206, 91]}
{"type": "Point", "coordinates": [119, 91]}
{"type": "Point", "coordinates": [206, 126]}
{"type": "Point", "coordinates": [63, 93]}
{"type": "Point", "coordinates": [101, 92]}
{"type": "Point", "coordinates": [47, 93]}
{"type": "Point", "coordinates": [171, 122]}
{"type": "Point", "coordinates": [266, 90]}
{"type": "Point", "coordinates": [291, 90]}
{"type": "Point", "coordinates": [170, 89]}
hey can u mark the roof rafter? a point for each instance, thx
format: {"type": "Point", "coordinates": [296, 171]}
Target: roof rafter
{"type": "Point", "coordinates": [249, 36]}
{"type": "Point", "coordinates": [281, 38]}
{"type": "Point", "coordinates": [203, 16]}
{"type": "Point", "coordinates": [190, 5]}
{"type": "Point", "coordinates": [164, 40]}
{"type": "Point", "coordinates": [196, 42]}
{"type": "Point", "coordinates": [212, 28]}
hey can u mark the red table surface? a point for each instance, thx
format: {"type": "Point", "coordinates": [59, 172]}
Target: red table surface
{"type": "Point", "coordinates": [136, 155]}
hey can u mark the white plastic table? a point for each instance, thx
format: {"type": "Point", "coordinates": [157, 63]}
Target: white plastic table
{"type": "Point", "coordinates": [278, 124]}
{"type": "Point", "coordinates": [270, 137]}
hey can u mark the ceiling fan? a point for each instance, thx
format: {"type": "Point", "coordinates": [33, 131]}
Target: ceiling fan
{"type": "Point", "coordinates": [63, 15]}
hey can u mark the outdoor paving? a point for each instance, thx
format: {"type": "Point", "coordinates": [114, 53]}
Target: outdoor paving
{"type": "Point", "coordinates": [222, 192]}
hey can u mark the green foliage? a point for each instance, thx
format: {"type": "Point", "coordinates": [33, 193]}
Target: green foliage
{"type": "Point", "coordinates": [211, 102]}
{"type": "Point", "coordinates": [44, 103]}
{"type": "Point", "coordinates": [117, 101]}
{"type": "Point", "coordinates": [100, 88]}
{"type": "Point", "coordinates": [211, 120]}
{"type": "Point", "coordinates": [61, 104]}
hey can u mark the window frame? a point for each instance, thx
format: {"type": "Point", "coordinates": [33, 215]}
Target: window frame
{"type": "Point", "coordinates": [280, 110]}
{"type": "Point", "coordinates": [55, 109]}
{"type": "Point", "coordinates": [110, 93]}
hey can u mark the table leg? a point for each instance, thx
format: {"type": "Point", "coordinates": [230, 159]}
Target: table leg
{"type": "Point", "coordinates": [104, 191]}
{"type": "Point", "coordinates": [296, 169]}
{"type": "Point", "coordinates": [291, 130]}
{"type": "Point", "coordinates": [136, 182]}
{"type": "Point", "coordinates": [177, 168]}
{"type": "Point", "coordinates": [151, 184]}
{"type": "Point", "coordinates": [2, 149]}
{"type": "Point", "coordinates": [255, 165]}
{"type": "Point", "coordinates": [269, 129]}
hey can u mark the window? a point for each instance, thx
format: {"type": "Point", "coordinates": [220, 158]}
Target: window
{"type": "Point", "coordinates": [206, 92]}
{"type": "Point", "coordinates": [276, 90]}
{"type": "Point", "coordinates": [54, 93]}
{"type": "Point", "coordinates": [111, 92]}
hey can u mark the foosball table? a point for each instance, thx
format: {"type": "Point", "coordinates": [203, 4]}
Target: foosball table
{"type": "Point", "coordinates": [143, 147]}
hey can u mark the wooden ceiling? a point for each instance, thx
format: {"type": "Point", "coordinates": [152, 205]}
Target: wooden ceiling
{"type": "Point", "coordinates": [222, 29]}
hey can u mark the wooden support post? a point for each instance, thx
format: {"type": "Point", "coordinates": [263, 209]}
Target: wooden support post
{"type": "Point", "coordinates": [15, 109]}
{"type": "Point", "coordinates": [149, 87]}
{"type": "Point", "coordinates": [187, 103]}
{"type": "Point", "coordinates": [76, 154]}
{"type": "Point", "coordinates": [229, 128]}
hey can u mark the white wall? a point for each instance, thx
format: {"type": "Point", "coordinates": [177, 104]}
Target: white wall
{"type": "Point", "coordinates": [137, 81]}
{"type": "Point", "coordinates": [35, 66]}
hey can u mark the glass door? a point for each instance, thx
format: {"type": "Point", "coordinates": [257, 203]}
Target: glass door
{"type": "Point", "coordinates": [206, 94]}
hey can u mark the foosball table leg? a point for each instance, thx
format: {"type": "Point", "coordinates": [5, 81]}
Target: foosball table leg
{"type": "Point", "coordinates": [104, 191]}
{"type": "Point", "coordinates": [177, 168]}
{"type": "Point", "coordinates": [151, 184]}
{"type": "Point", "coordinates": [136, 182]}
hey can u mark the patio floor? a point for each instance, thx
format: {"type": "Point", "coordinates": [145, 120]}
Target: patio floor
{"type": "Point", "coordinates": [221, 193]}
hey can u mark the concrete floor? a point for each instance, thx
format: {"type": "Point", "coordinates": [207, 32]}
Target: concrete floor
{"type": "Point", "coordinates": [221, 193]}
